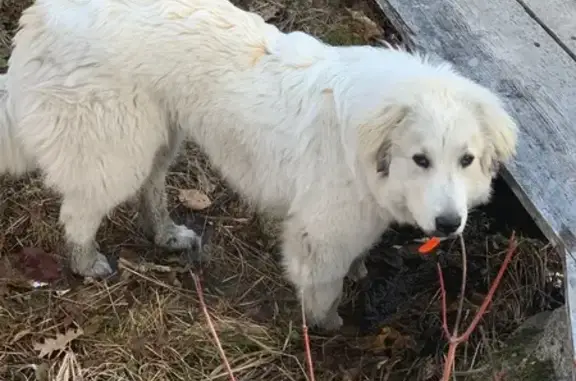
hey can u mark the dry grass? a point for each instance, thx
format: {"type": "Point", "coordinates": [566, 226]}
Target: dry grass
{"type": "Point", "coordinates": [147, 324]}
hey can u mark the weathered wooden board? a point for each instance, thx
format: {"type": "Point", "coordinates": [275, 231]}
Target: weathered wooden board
{"type": "Point", "coordinates": [558, 17]}
{"type": "Point", "coordinates": [502, 45]}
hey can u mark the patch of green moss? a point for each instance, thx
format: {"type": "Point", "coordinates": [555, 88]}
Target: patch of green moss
{"type": "Point", "coordinates": [343, 36]}
{"type": "Point", "coordinates": [517, 360]}
{"type": "Point", "coordinates": [536, 370]}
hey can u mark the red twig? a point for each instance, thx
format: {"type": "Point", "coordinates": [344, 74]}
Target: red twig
{"type": "Point", "coordinates": [455, 340]}
{"type": "Point", "coordinates": [307, 345]}
{"type": "Point", "coordinates": [198, 285]}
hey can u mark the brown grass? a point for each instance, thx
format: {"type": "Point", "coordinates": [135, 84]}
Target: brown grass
{"type": "Point", "coordinates": [147, 324]}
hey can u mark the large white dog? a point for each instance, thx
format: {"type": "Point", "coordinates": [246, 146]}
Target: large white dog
{"type": "Point", "coordinates": [339, 141]}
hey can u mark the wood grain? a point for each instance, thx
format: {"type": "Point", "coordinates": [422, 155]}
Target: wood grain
{"type": "Point", "coordinates": [501, 45]}
{"type": "Point", "coordinates": [558, 17]}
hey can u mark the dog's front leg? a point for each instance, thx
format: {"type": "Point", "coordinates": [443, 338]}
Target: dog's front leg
{"type": "Point", "coordinates": [153, 208]}
{"type": "Point", "coordinates": [316, 263]}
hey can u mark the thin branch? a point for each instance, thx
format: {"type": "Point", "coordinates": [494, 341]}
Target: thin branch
{"type": "Point", "coordinates": [443, 299]}
{"type": "Point", "coordinates": [455, 340]}
{"type": "Point", "coordinates": [463, 287]}
{"type": "Point", "coordinates": [307, 345]}
{"type": "Point", "coordinates": [488, 298]}
{"type": "Point", "coordinates": [211, 325]}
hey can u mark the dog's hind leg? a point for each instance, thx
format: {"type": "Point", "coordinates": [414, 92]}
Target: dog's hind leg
{"type": "Point", "coordinates": [153, 210]}
{"type": "Point", "coordinates": [97, 153]}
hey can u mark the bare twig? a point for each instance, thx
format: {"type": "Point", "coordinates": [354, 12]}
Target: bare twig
{"type": "Point", "coordinates": [211, 325]}
{"type": "Point", "coordinates": [307, 345]}
{"type": "Point", "coordinates": [463, 287]}
{"type": "Point", "coordinates": [453, 339]}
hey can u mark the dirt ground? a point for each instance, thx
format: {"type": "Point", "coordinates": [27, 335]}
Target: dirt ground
{"type": "Point", "coordinates": [147, 322]}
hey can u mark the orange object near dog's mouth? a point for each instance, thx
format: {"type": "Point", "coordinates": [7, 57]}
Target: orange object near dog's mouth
{"type": "Point", "coordinates": [429, 245]}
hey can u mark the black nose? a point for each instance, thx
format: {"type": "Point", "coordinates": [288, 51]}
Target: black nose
{"type": "Point", "coordinates": [448, 224]}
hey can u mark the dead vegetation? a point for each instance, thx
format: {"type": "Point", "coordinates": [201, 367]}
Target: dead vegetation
{"type": "Point", "coordinates": [147, 322]}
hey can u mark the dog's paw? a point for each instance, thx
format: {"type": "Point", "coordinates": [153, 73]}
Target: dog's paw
{"type": "Point", "coordinates": [332, 322]}
{"type": "Point", "coordinates": [179, 237]}
{"type": "Point", "coordinates": [358, 271]}
{"type": "Point", "coordinates": [93, 266]}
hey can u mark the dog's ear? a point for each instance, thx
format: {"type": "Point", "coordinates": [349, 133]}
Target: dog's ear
{"type": "Point", "coordinates": [383, 157]}
{"type": "Point", "coordinates": [501, 134]}
{"type": "Point", "coordinates": [376, 137]}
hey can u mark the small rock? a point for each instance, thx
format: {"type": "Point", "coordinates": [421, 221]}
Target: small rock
{"type": "Point", "coordinates": [539, 350]}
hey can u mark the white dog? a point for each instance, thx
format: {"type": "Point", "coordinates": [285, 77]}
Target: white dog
{"type": "Point", "coordinates": [339, 141]}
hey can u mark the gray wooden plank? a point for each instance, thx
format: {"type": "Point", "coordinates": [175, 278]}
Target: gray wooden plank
{"type": "Point", "coordinates": [498, 43]}
{"type": "Point", "coordinates": [558, 17]}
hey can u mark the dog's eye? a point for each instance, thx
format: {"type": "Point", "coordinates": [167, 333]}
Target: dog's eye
{"type": "Point", "coordinates": [466, 160]}
{"type": "Point", "coordinates": [421, 161]}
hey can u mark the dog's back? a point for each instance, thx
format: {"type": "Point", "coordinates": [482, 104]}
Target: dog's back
{"type": "Point", "coordinates": [140, 38]}
{"type": "Point", "coordinates": [235, 84]}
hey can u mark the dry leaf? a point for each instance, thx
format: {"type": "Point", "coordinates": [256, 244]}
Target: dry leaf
{"type": "Point", "coordinates": [194, 199]}
{"type": "Point", "coordinates": [59, 343]}
{"type": "Point", "coordinates": [38, 266]}
{"type": "Point", "coordinates": [389, 339]}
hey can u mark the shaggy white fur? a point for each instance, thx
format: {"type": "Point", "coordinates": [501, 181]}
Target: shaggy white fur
{"type": "Point", "coordinates": [339, 141]}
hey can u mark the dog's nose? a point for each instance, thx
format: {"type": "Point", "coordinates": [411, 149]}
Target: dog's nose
{"type": "Point", "coordinates": [448, 223]}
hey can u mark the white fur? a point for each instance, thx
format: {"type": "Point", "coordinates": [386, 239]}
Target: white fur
{"type": "Point", "coordinates": [101, 93]}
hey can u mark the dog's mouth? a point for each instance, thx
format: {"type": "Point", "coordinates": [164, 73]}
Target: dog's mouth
{"type": "Point", "coordinates": [439, 234]}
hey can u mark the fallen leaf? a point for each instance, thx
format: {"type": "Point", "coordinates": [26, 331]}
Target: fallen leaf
{"type": "Point", "coordinates": [38, 266]}
{"type": "Point", "coordinates": [59, 343]}
{"type": "Point", "coordinates": [194, 199]}
{"type": "Point", "coordinates": [389, 339]}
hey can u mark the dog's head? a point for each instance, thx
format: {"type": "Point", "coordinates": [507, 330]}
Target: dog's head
{"type": "Point", "coordinates": [429, 154]}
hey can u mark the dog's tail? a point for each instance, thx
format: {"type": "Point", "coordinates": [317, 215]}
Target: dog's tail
{"type": "Point", "coordinates": [12, 158]}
